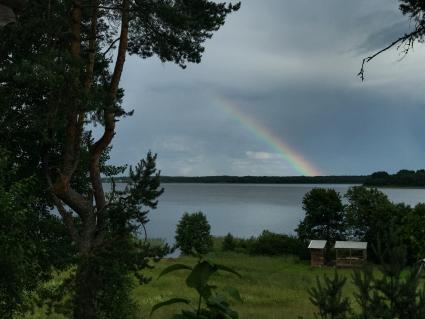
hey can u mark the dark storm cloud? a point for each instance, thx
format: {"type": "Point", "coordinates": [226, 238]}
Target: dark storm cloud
{"type": "Point", "coordinates": [382, 38]}
{"type": "Point", "coordinates": [292, 66]}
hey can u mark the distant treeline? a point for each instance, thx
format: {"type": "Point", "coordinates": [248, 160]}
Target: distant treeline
{"type": "Point", "coordinates": [404, 178]}
{"type": "Point", "coordinates": [261, 179]}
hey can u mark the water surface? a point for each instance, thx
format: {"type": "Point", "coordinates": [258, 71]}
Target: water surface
{"type": "Point", "coordinates": [245, 209]}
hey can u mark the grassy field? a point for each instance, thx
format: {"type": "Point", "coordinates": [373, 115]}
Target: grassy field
{"type": "Point", "coordinates": [271, 287]}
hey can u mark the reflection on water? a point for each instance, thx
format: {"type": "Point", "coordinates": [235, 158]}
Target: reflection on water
{"type": "Point", "coordinates": [245, 209]}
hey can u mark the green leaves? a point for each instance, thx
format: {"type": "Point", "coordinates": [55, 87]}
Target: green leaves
{"type": "Point", "coordinates": [173, 268]}
{"type": "Point", "coordinates": [175, 30]}
{"type": "Point", "coordinates": [193, 235]}
{"type": "Point", "coordinates": [227, 269]}
{"type": "Point", "coordinates": [200, 275]}
{"type": "Point", "coordinates": [324, 218]}
{"type": "Point", "coordinates": [234, 293]}
{"type": "Point", "coordinates": [216, 304]}
{"type": "Point", "coordinates": [168, 303]}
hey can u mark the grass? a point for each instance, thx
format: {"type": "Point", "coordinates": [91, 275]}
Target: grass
{"type": "Point", "coordinates": [271, 287]}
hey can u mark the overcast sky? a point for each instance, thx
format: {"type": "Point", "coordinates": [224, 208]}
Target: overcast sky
{"type": "Point", "coordinates": [291, 67]}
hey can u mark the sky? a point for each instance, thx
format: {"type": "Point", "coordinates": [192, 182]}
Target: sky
{"type": "Point", "coordinates": [277, 94]}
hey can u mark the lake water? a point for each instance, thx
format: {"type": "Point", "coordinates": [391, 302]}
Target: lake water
{"type": "Point", "coordinates": [245, 209]}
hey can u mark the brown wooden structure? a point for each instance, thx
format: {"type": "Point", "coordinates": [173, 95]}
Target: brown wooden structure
{"type": "Point", "coordinates": [350, 253]}
{"type": "Point", "coordinates": [317, 252]}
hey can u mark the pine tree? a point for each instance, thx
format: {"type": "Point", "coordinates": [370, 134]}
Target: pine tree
{"type": "Point", "coordinates": [394, 291]}
{"type": "Point", "coordinates": [327, 297]}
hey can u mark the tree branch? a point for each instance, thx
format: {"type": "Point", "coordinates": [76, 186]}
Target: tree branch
{"type": "Point", "coordinates": [92, 46]}
{"type": "Point", "coordinates": [109, 113]}
{"type": "Point", "coordinates": [66, 216]}
{"type": "Point", "coordinates": [111, 46]}
{"type": "Point", "coordinates": [73, 131]}
{"type": "Point", "coordinates": [67, 219]}
{"type": "Point", "coordinates": [409, 37]}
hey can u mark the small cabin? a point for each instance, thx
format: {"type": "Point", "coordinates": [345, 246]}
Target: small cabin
{"type": "Point", "coordinates": [317, 252]}
{"type": "Point", "coordinates": [350, 253]}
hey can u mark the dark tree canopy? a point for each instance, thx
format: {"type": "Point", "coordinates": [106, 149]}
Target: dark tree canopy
{"type": "Point", "coordinates": [60, 70]}
{"type": "Point", "coordinates": [193, 232]}
{"type": "Point", "coordinates": [32, 241]}
{"type": "Point", "coordinates": [323, 215]}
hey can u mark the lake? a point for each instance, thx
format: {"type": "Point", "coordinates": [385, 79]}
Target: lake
{"type": "Point", "coordinates": [246, 209]}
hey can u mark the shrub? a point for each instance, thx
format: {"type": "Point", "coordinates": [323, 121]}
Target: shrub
{"type": "Point", "coordinates": [328, 297]}
{"type": "Point", "coordinates": [212, 302]}
{"type": "Point", "coordinates": [244, 245]}
{"type": "Point", "coordinates": [193, 232]}
{"type": "Point", "coordinates": [271, 244]}
{"type": "Point", "coordinates": [268, 244]}
{"type": "Point", "coordinates": [229, 243]}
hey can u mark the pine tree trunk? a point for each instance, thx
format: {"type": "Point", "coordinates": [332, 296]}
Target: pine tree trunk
{"type": "Point", "coordinates": [85, 306]}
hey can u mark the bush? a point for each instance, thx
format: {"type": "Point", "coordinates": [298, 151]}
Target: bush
{"type": "Point", "coordinates": [229, 243]}
{"type": "Point", "coordinates": [244, 245]}
{"type": "Point", "coordinates": [193, 232]}
{"type": "Point", "coordinates": [212, 303]}
{"type": "Point", "coordinates": [268, 244]}
{"type": "Point", "coordinates": [272, 244]}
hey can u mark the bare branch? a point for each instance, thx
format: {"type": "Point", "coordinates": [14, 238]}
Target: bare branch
{"type": "Point", "coordinates": [111, 46]}
{"type": "Point", "coordinates": [408, 37]}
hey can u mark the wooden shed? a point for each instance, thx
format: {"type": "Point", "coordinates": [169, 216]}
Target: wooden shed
{"type": "Point", "coordinates": [317, 252]}
{"type": "Point", "coordinates": [350, 253]}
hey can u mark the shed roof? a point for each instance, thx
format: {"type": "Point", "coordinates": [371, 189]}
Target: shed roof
{"type": "Point", "coordinates": [317, 244]}
{"type": "Point", "coordinates": [350, 245]}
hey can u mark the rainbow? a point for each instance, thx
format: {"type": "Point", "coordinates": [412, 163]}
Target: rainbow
{"type": "Point", "coordinates": [296, 160]}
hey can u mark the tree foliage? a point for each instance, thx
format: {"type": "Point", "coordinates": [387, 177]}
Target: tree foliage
{"type": "Point", "coordinates": [327, 296]}
{"type": "Point", "coordinates": [395, 291]}
{"type": "Point", "coordinates": [413, 232]}
{"type": "Point", "coordinates": [367, 211]}
{"type": "Point", "coordinates": [32, 242]}
{"type": "Point", "coordinates": [229, 243]}
{"type": "Point", "coordinates": [60, 69]}
{"type": "Point", "coordinates": [366, 217]}
{"type": "Point", "coordinates": [193, 233]}
{"type": "Point", "coordinates": [323, 215]}
{"type": "Point", "coordinates": [401, 178]}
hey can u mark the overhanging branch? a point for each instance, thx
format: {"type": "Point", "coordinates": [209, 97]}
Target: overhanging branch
{"type": "Point", "coordinates": [409, 38]}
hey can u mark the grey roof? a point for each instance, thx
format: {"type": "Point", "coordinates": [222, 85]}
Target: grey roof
{"type": "Point", "coordinates": [351, 245]}
{"type": "Point", "coordinates": [317, 244]}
